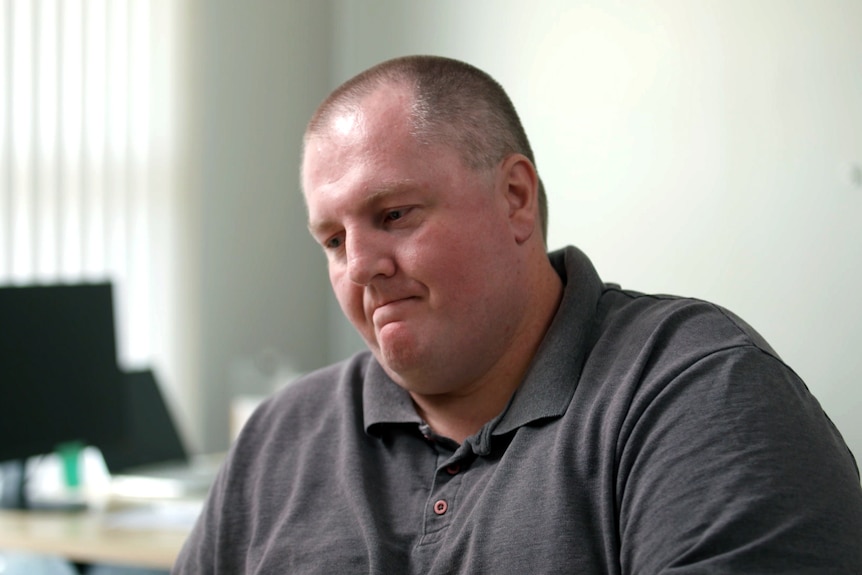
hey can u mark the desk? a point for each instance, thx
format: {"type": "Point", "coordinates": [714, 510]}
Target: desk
{"type": "Point", "coordinates": [92, 537]}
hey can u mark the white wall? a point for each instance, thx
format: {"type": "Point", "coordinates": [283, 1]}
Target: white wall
{"type": "Point", "coordinates": [261, 69]}
{"type": "Point", "coordinates": [702, 148]}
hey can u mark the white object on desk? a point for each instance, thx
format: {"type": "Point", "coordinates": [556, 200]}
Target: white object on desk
{"type": "Point", "coordinates": [16, 563]}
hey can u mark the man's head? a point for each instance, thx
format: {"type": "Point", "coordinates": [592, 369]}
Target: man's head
{"type": "Point", "coordinates": [433, 238]}
{"type": "Point", "coordinates": [454, 103]}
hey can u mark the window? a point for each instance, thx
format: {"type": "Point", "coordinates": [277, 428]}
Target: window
{"type": "Point", "coordinates": [89, 159]}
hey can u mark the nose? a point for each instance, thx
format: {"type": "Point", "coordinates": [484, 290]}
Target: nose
{"type": "Point", "coordinates": [369, 256]}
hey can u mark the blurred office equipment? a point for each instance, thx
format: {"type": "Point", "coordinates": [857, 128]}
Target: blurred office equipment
{"type": "Point", "coordinates": [152, 436]}
{"type": "Point", "coordinates": [152, 460]}
{"type": "Point", "coordinates": [59, 380]}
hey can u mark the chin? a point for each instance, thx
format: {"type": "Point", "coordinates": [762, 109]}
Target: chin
{"type": "Point", "coordinates": [404, 364]}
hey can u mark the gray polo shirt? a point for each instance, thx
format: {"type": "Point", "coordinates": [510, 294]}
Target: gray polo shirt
{"type": "Point", "coordinates": [652, 434]}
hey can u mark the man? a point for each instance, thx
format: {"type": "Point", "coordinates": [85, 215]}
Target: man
{"type": "Point", "coordinates": [514, 414]}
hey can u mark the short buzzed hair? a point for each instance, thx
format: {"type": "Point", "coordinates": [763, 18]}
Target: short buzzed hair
{"type": "Point", "coordinates": [454, 103]}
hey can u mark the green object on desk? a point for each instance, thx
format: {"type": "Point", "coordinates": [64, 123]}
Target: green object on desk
{"type": "Point", "coordinates": [70, 455]}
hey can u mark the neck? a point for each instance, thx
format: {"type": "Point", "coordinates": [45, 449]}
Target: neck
{"type": "Point", "coordinates": [462, 414]}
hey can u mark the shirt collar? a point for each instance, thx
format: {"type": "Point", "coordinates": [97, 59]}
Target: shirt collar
{"type": "Point", "coordinates": [384, 401]}
{"type": "Point", "coordinates": [550, 382]}
{"type": "Point", "coordinates": [552, 377]}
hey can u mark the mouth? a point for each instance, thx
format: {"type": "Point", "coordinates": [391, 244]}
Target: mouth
{"type": "Point", "coordinates": [391, 310]}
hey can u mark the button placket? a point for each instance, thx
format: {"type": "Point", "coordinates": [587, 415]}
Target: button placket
{"type": "Point", "coordinates": [446, 482]}
{"type": "Point", "coordinates": [440, 507]}
{"type": "Point", "coordinates": [442, 500]}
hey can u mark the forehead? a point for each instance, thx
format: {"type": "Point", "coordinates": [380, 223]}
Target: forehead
{"type": "Point", "coordinates": [374, 124]}
{"type": "Point", "coordinates": [385, 110]}
{"type": "Point", "coordinates": [344, 173]}
{"type": "Point", "coordinates": [369, 141]}
{"type": "Point", "coordinates": [367, 153]}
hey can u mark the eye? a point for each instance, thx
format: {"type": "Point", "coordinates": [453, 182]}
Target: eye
{"type": "Point", "coordinates": [333, 243]}
{"type": "Point", "coordinates": [394, 215]}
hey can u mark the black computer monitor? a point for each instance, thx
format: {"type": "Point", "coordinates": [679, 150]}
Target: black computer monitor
{"type": "Point", "coordinates": [152, 435]}
{"type": "Point", "coordinates": [59, 378]}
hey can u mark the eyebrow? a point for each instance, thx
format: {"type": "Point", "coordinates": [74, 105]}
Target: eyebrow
{"type": "Point", "coordinates": [377, 196]}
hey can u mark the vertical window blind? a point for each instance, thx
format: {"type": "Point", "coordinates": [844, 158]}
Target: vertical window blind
{"type": "Point", "coordinates": [88, 158]}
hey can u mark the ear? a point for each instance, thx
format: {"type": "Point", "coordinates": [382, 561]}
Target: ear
{"type": "Point", "coordinates": [522, 195]}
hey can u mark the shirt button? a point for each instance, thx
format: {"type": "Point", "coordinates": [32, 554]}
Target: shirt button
{"type": "Point", "coordinates": [453, 469]}
{"type": "Point", "coordinates": [440, 507]}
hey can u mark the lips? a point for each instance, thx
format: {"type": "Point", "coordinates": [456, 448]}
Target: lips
{"type": "Point", "coordinates": [391, 310]}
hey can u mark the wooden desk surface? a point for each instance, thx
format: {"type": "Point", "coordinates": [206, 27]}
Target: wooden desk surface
{"type": "Point", "coordinates": [91, 537]}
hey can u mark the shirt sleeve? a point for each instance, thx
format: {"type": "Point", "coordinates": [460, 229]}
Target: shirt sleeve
{"type": "Point", "coordinates": [731, 466]}
{"type": "Point", "coordinates": [198, 554]}
{"type": "Point", "coordinates": [217, 542]}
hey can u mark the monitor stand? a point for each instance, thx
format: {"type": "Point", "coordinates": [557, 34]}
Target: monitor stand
{"type": "Point", "coordinates": [14, 490]}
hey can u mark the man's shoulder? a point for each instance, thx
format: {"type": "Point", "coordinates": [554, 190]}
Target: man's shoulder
{"type": "Point", "coordinates": [669, 321]}
{"type": "Point", "coordinates": [626, 320]}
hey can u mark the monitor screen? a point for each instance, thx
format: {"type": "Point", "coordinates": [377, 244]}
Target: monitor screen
{"type": "Point", "coordinates": [59, 379]}
{"type": "Point", "coordinates": [152, 436]}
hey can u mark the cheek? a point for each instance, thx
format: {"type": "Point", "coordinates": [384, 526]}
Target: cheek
{"type": "Point", "coordinates": [459, 255]}
{"type": "Point", "coordinates": [348, 294]}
